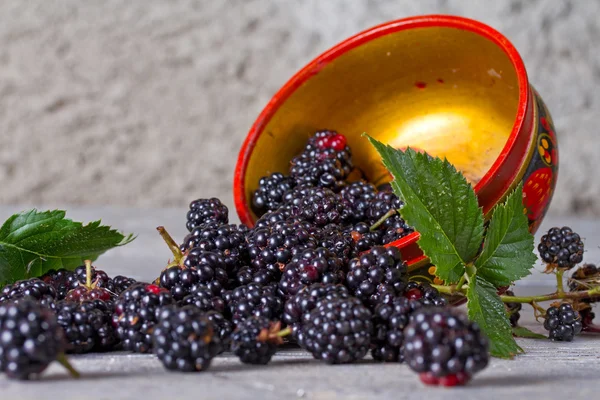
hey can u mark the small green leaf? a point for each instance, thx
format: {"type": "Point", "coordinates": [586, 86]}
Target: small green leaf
{"type": "Point", "coordinates": [34, 242]}
{"type": "Point", "coordinates": [440, 204]}
{"type": "Point", "coordinates": [508, 248]}
{"type": "Point", "coordinates": [522, 332]}
{"type": "Point", "coordinates": [486, 308]}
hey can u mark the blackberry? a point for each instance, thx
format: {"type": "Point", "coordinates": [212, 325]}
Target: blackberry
{"type": "Point", "coordinates": [203, 298]}
{"type": "Point", "coordinates": [206, 210]}
{"type": "Point", "coordinates": [184, 339]}
{"type": "Point", "coordinates": [561, 247]}
{"type": "Point", "coordinates": [377, 273]}
{"type": "Point", "coordinates": [562, 322]}
{"type": "Point", "coordinates": [227, 240]}
{"type": "Point", "coordinates": [358, 196]}
{"type": "Point", "coordinates": [99, 278]}
{"type": "Point", "coordinates": [444, 347]}
{"type": "Point", "coordinates": [321, 206]}
{"type": "Point", "coordinates": [513, 310]}
{"type": "Point", "coordinates": [303, 302]}
{"type": "Point", "coordinates": [254, 299]}
{"type": "Point", "coordinates": [87, 290]}
{"type": "Point", "coordinates": [254, 340]}
{"type": "Point", "coordinates": [323, 170]}
{"type": "Point", "coordinates": [122, 283]}
{"type": "Point", "coordinates": [381, 204]}
{"type": "Point", "coordinates": [31, 339]}
{"type": "Point", "coordinates": [308, 267]}
{"type": "Point", "coordinates": [424, 293]}
{"type": "Point", "coordinates": [136, 315]}
{"type": "Point", "coordinates": [61, 280]}
{"type": "Point", "coordinates": [330, 144]}
{"type": "Point", "coordinates": [337, 330]}
{"type": "Point", "coordinates": [390, 317]}
{"type": "Point", "coordinates": [363, 239]}
{"type": "Point", "coordinates": [40, 291]}
{"type": "Point", "coordinates": [87, 325]}
{"type": "Point", "coordinates": [396, 229]}
{"type": "Point", "coordinates": [334, 238]}
{"type": "Point", "coordinates": [222, 326]}
{"type": "Point", "coordinates": [270, 193]}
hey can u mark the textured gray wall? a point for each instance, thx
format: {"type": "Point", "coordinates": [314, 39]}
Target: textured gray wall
{"type": "Point", "coordinates": [145, 103]}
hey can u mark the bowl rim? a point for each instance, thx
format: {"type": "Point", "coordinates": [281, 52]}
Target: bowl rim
{"type": "Point", "coordinates": [318, 63]}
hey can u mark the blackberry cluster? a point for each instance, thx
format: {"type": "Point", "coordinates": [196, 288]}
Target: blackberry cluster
{"type": "Point", "coordinates": [30, 338]}
{"type": "Point", "coordinates": [337, 330]}
{"type": "Point", "coordinates": [254, 299]}
{"type": "Point", "coordinates": [253, 342]}
{"type": "Point", "coordinates": [562, 322]}
{"type": "Point", "coordinates": [444, 347]}
{"type": "Point", "coordinates": [184, 339]}
{"type": "Point", "coordinates": [513, 310]}
{"type": "Point", "coordinates": [37, 289]}
{"type": "Point", "coordinates": [270, 193]}
{"type": "Point", "coordinates": [561, 247]}
{"type": "Point", "coordinates": [390, 317]}
{"type": "Point", "coordinates": [206, 210]}
{"type": "Point", "coordinates": [308, 267]}
{"type": "Point", "coordinates": [87, 325]}
{"type": "Point", "coordinates": [377, 273]}
{"type": "Point", "coordinates": [135, 315]}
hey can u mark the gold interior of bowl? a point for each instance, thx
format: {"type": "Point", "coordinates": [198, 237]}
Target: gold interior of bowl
{"type": "Point", "coordinates": [444, 90]}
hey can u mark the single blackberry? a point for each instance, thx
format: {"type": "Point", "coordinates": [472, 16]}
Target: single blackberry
{"type": "Point", "coordinates": [337, 330]}
{"type": "Point", "coordinates": [513, 309]}
{"type": "Point", "coordinates": [61, 281]}
{"type": "Point", "coordinates": [334, 238]}
{"type": "Point", "coordinates": [444, 347]}
{"type": "Point", "coordinates": [270, 219]}
{"type": "Point", "coordinates": [254, 340]}
{"type": "Point", "coordinates": [122, 283]}
{"type": "Point", "coordinates": [562, 322]}
{"type": "Point", "coordinates": [222, 326]}
{"type": "Point", "coordinates": [363, 239]}
{"type": "Point", "coordinates": [390, 317]}
{"type": "Point", "coordinates": [99, 278]}
{"type": "Point", "coordinates": [136, 315]}
{"type": "Point", "coordinates": [561, 247]}
{"type": "Point", "coordinates": [88, 289]}
{"type": "Point", "coordinates": [30, 339]}
{"type": "Point", "coordinates": [40, 291]}
{"type": "Point", "coordinates": [308, 267]}
{"type": "Point", "coordinates": [324, 170]}
{"type": "Point", "coordinates": [270, 193]}
{"type": "Point", "coordinates": [203, 298]}
{"type": "Point", "coordinates": [83, 293]}
{"type": "Point", "coordinates": [381, 205]}
{"type": "Point", "coordinates": [254, 299]}
{"type": "Point", "coordinates": [87, 325]}
{"type": "Point", "coordinates": [377, 273]}
{"type": "Point", "coordinates": [184, 339]}
{"type": "Point", "coordinates": [321, 206]}
{"type": "Point", "coordinates": [395, 230]}
{"type": "Point", "coordinates": [358, 195]}
{"type": "Point", "coordinates": [206, 210]}
{"type": "Point", "coordinates": [330, 144]}
{"type": "Point", "coordinates": [424, 293]}
{"type": "Point", "coordinates": [227, 240]}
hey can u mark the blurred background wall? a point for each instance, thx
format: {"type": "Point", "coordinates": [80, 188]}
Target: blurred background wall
{"type": "Point", "coordinates": [146, 103]}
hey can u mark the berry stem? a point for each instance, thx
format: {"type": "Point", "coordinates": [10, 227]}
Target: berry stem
{"type": "Point", "coordinates": [88, 273]}
{"type": "Point", "coordinates": [381, 220]}
{"type": "Point", "coordinates": [64, 361]}
{"type": "Point", "coordinates": [284, 332]}
{"type": "Point", "coordinates": [559, 281]}
{"type": "Point", "coordinates": [177, 254]}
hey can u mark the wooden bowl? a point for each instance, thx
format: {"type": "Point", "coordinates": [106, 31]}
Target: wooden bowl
{"type": "Point", "coordinates": [451, 86]}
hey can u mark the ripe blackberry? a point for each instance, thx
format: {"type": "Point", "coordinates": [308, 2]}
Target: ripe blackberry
{"type": "Point", "coordinates": [203, 298]}
{"type": "Point", "coordinates": [61, 280]}
{"type": "Point", "coordinates": [227, 240]}
{"type": "Point", "coordinates": [136, 315]}
{"type": "Point", "coordinates": [321, 206]}
{"type": "Point", "coordinates": [513, 309]}
{"type": "Point", "coordinates": [206, 210]}
{"type": "Point", "coordinates": [254, 299]}
{"type": "Point", "coordinates": [444, 347]}
{"type": "Point", "coordinates": [395, 230]}
{"type": "Point", "coordinates": [374, 274]}
{"type": "Point", "coordinates": [334, 238]}
{"type": "Point", "coordinates": [337, 330]}
{"type": "Point", "coordinates": [222, 326]}
{"type": "Point", "coordinates": [99, 278]}
{"type": "Point", "coordinates": [40, 291]}
{"type": "Point", "coordinates": [31, 339]}
{"type": "Point", "coordinates": [424, 293]}
{"type": "Point", "coordinates": [562, 322]}
{"type": "Point", "coordinates": [561, 247]}
{"type": "Point", "coordinates": [87, 325]}
{"type": "Point", "coordinates": [270, 193]}
{"type": "Point", "coordinates": [363, 239]}
{"type": "Point", "coordinates": [88, 290]}
{"type": "Point", "coordinates": [308, 267]}
{"type": "Point", "coordinates": [184, 339]}
{"type": "Point", "coordinates": [381, 205]}
{"type": "Point", "coordinates": [330, 144]}
{"type": "Point", "coordinates": [390, 317]}
{"type": "Point", "coordinates": [358, 195]}
{"type": "Point", "coordinates": [254, 340]}
{"type": "Point", "coordinates": [323, 170]}
{"type": "Point", "coordinates": [122, 283]}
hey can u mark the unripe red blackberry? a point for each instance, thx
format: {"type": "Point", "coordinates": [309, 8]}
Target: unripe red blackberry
{"type": "Point", "coordinates": [561, 247]}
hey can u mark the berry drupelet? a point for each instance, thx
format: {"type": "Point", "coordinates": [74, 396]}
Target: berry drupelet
{"type": "Point", "coordinates": [561, 247]}
{"type": "Point", "coordinates": [270, 193]}
{"type": "Point", "coordinates": [37, 289]}
{"type": "Point", "coordinates": [513, 310]}
{"type": "Point", "coordinates": [254, 299]}
{"type": "Point", "coordinates": [184, 339]}
{"type": "Point", "coordinates": [136, 315]}
{"type": "Point", "coordinates": [374, 274]}
{"type": "Point", "coordinates": [337, 331]}
{"type": "Point", "coordinates": [255, 340]}
{"type": "Point", "coordinates": [562, 322]}
{"type": "Point", "coordinates": [206, 210]}
{"type": "Point", "coordinates": [444, 347]}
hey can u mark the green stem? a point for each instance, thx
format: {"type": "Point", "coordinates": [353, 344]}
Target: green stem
{"type": "Point", "coordinates": [454, 289]}
{"type": "Point", "coordinates": [382, 219]}
{"type": "Point", "coordinates": [177, 254]}
{"type": "Point", "coordinates": [88, 273]}
{"type": "Point", "coordinates": [64, 361]}
{"type": "Point", "coordinates": [559, 281]}
{"type": "Point", "coordinates": [284, 332]}
{"type": "Point", "coordinates": [461, 281]}
{"type": "Point", "coordinates": [552, 296]}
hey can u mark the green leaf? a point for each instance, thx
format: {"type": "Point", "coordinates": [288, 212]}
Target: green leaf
{"type": "Point", "coordinates": [440, 204]}
{"type": "Point", "coordinates": [486, 308]}
{"type": "Point", "coordinates": [507, 253]}
{"type": "Point", "coordinates": [34, 242]}
{"type": "Point", "coordinates": [520, 331]}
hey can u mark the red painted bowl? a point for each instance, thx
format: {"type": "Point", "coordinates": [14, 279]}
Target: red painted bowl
{"type": "Point", "coordinates": [451, 86]}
